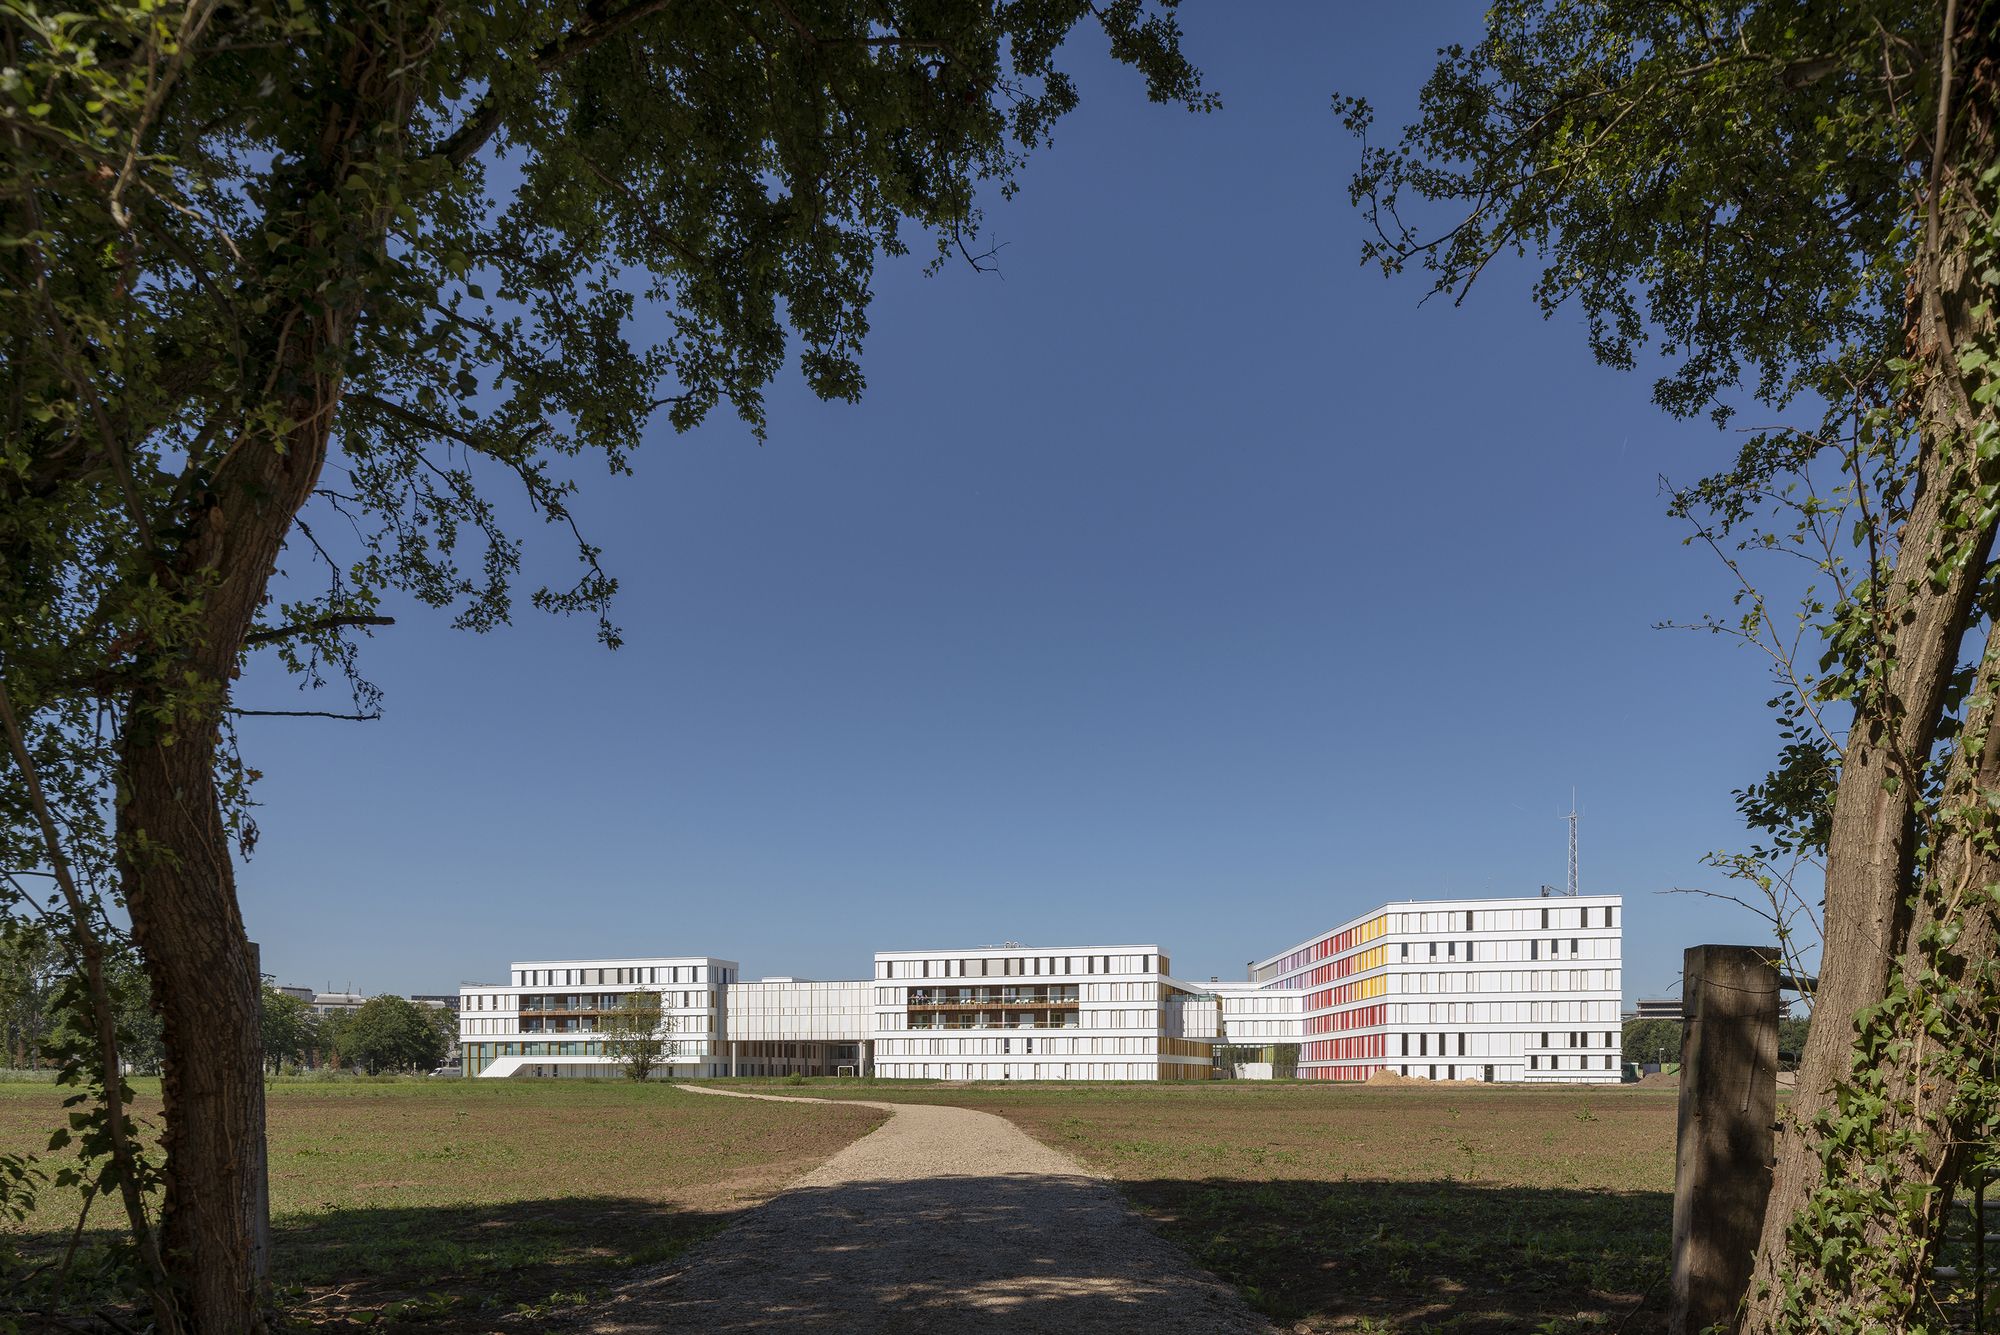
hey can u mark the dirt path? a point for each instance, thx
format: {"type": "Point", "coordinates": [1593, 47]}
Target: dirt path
{"type": "Point", "coordinates": [943, 1220]}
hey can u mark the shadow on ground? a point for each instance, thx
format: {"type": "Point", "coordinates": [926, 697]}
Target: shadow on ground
{"type": "Point", "coordinates": [446, 1268]}
{"type": "Point", "coordinates": [994, 1254]}
{"type": "Point", "coordinates": [1024, 1254]}
{"type": "Point", "coordinates": [1425, 1255]}
{"type": "Point", "coordinates": [461, 1267]}
{"type": "Point", "coordinates": [998, 1254]}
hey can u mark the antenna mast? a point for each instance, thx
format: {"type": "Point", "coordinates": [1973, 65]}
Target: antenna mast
{"type": "Point", "coordinates": [1572, 842]}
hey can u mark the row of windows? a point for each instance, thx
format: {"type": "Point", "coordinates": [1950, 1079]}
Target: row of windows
{"type": "Point", "coordinates": [1021, 966]}
{"type": "Point", "coordinates": [1345, 1049]}
{"type": "Point", "coordinates": [1581, 917]}
{"type": "Point", "coordinates": [1346, 992]}
{"type": "Point", "coordinates": [1260, 1005]}
{"type": "Point", "coordinates": [1504, 1012]}
{"type": "Point", "coordinates": [1608, 1062]}
{"type": "Point", "coordinates": [1519, 980]}
{"type": "Point", "coordinates": [1087, 1018]}
{"type": "Point", "coordinates": [634, 974]}
{"type": "Point", "coordinates": [1360, 1017]}
{"type": "Point", "coordinates": [1042, 1070]}
{"type": "Point", "coordinates": [1596, 1072]}
{"type": "Point", "coordinates": [1537, 948]}
{"type": "Point", "coordinates": [1057, 1045]}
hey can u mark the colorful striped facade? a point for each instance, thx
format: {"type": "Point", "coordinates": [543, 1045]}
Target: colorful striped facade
{"type": "Point", "coordinates": [1503, 990]}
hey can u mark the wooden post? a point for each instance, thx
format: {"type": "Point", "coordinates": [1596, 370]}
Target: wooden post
{"type": "Point", "coordinates": [1723, 1151]}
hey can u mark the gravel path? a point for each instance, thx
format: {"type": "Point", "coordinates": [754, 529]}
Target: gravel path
{"type": "Point", "coordinates": [943, 1220]}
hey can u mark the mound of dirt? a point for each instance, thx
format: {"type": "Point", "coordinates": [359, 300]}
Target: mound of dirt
{"type": "Point", "coordinates": [1658, 1080]}
{"type": "Point", "coordinates": [1391, 1078]}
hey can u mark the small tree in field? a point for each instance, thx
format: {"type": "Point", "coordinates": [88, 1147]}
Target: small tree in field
{"type": "Point", "coordinates": [635, 1035]}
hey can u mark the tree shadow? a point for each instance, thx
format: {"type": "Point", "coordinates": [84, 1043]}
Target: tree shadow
{"type": "Point", "coordinates": [456, 1267]}
{"type": "Point", "coordinates": [451, 1268]}
{"type": "Point", "coordinates": [1007, 1254]}
{"type": "Point", "coordinates": [1000, 1254]}
{"type": "Point", "coordinates": [1421, 1255]}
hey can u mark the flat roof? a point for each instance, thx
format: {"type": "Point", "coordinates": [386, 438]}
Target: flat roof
{"type": "Point", "coordinates": [597, 961]}
{"type": "Point", "coordinates": [1504, 901]}
{"type": "Point", "coordinates": [1021, 950]}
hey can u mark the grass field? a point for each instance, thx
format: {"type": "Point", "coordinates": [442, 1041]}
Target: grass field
{"type": "Point", "coordinates": [1375, 1209]}
{"type": "Point", "coordinates": [448, 1200]}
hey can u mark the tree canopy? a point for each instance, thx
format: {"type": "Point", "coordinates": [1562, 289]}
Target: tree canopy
{"type": "Point", "coordinates": [1794, 205]}
{"type": "Point", "coordinates": [387, 1034]}
{"type": "Point", "coordinates": [304, 291]}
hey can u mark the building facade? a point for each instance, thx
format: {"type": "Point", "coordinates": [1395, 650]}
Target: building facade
{"type": "Point", "coordinates": [1501, 990]}
{"type": "Point", "coordinates": [796, 1026]}
{"type": "Point", "coordinates": [549, 1020]}
{"type": "Point", "coordinates": [1039, 1013]}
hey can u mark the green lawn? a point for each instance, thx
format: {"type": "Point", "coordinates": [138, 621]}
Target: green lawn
{"type": "Point", "coordinates": [1408, 1208]}
{"type": "Point", "coordinates": [453, 1199]}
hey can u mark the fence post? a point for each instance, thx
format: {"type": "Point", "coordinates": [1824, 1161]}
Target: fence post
{"type": "Point", "coordinates": [1724, 1146]}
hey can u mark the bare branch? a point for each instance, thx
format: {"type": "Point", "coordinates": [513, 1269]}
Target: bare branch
{"type": "Point", "coordinates": [313, 627]}
{"type": "Point", "coordinates": [372, 717]}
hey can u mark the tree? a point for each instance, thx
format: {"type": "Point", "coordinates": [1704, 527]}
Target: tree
{"type": "Point", "coordinates": [1794, 205]}
{"type": "Point", "coordinates": [635, 1034]}
{"type": "Point", "coordinates": [388, 1034]}
{"type": "Point", "coordinates": [1656, 1041]}
{"type": "Point", "coordinates": [31, 965]}
{"type": "Point", "coordinates": [286, 1028]}
{"type": "Point", "coordinates": [299, 286]}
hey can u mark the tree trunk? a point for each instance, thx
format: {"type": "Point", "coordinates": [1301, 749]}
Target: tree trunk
{"type": "Point", "coordinates": [1879, 903]}
{"type": "Point", "coordinates": [175, 860]}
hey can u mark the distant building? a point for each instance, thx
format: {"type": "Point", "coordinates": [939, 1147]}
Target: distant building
{"type": "Point", "coordinates": [336, 1003]}
{"type": "Point", "coordinates": [1503, 990]}
{"type": "Point", "coordinates": [545, 1022]}
{"type": "Point", "coordinates": [1500, 990]}
{"type": "Point", "coordinates": [304, 994]}
{"type": "Point", "coordinates": [443, 1000]}
{"type": "Point", "coordinates": [1658, 1008]}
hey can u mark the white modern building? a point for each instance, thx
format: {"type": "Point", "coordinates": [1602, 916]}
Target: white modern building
{"type": "Point", "coordinates": [1039, 1013]}
{"type": "Point", "coordinates": [545, 1022]}
{"type": "Point", "coordinates": [787, 1026]}
{"type": "Point", "coordinates": [1500, 990]}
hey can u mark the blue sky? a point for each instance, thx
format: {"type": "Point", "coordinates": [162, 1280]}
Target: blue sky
{"type": "Point", "coordinates": [1187, 582]}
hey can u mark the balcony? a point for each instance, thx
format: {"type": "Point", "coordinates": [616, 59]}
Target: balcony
{"type": "Point", "coordinates": [927, 1025]}
{"type": "Point", "coordinates": [926, 1001]}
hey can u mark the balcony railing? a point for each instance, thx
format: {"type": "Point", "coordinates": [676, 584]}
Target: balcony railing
{"type": "Point", "coordinates": [934, 1000]}
{"type": "Point", "coordinates": [994, 1027]}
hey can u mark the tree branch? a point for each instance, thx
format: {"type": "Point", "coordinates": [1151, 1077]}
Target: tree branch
{"type": "Point", "coordinates": [374, 716]}
{"type": "Point", "coordinates": [311, 627]}
{"type": "Point", "coordinates": [459, 148]}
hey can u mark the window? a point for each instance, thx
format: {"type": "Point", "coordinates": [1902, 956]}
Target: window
{"type": "Point", "coordinates": [1406, 950]}
{"type": "Point", "coordinates": [1545, 920]}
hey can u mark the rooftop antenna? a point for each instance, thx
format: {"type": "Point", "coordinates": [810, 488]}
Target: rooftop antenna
{"type": "Point", "coordinates": [1548, 890]}
{"type": "Point", "coordinates": [1572, 843]}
